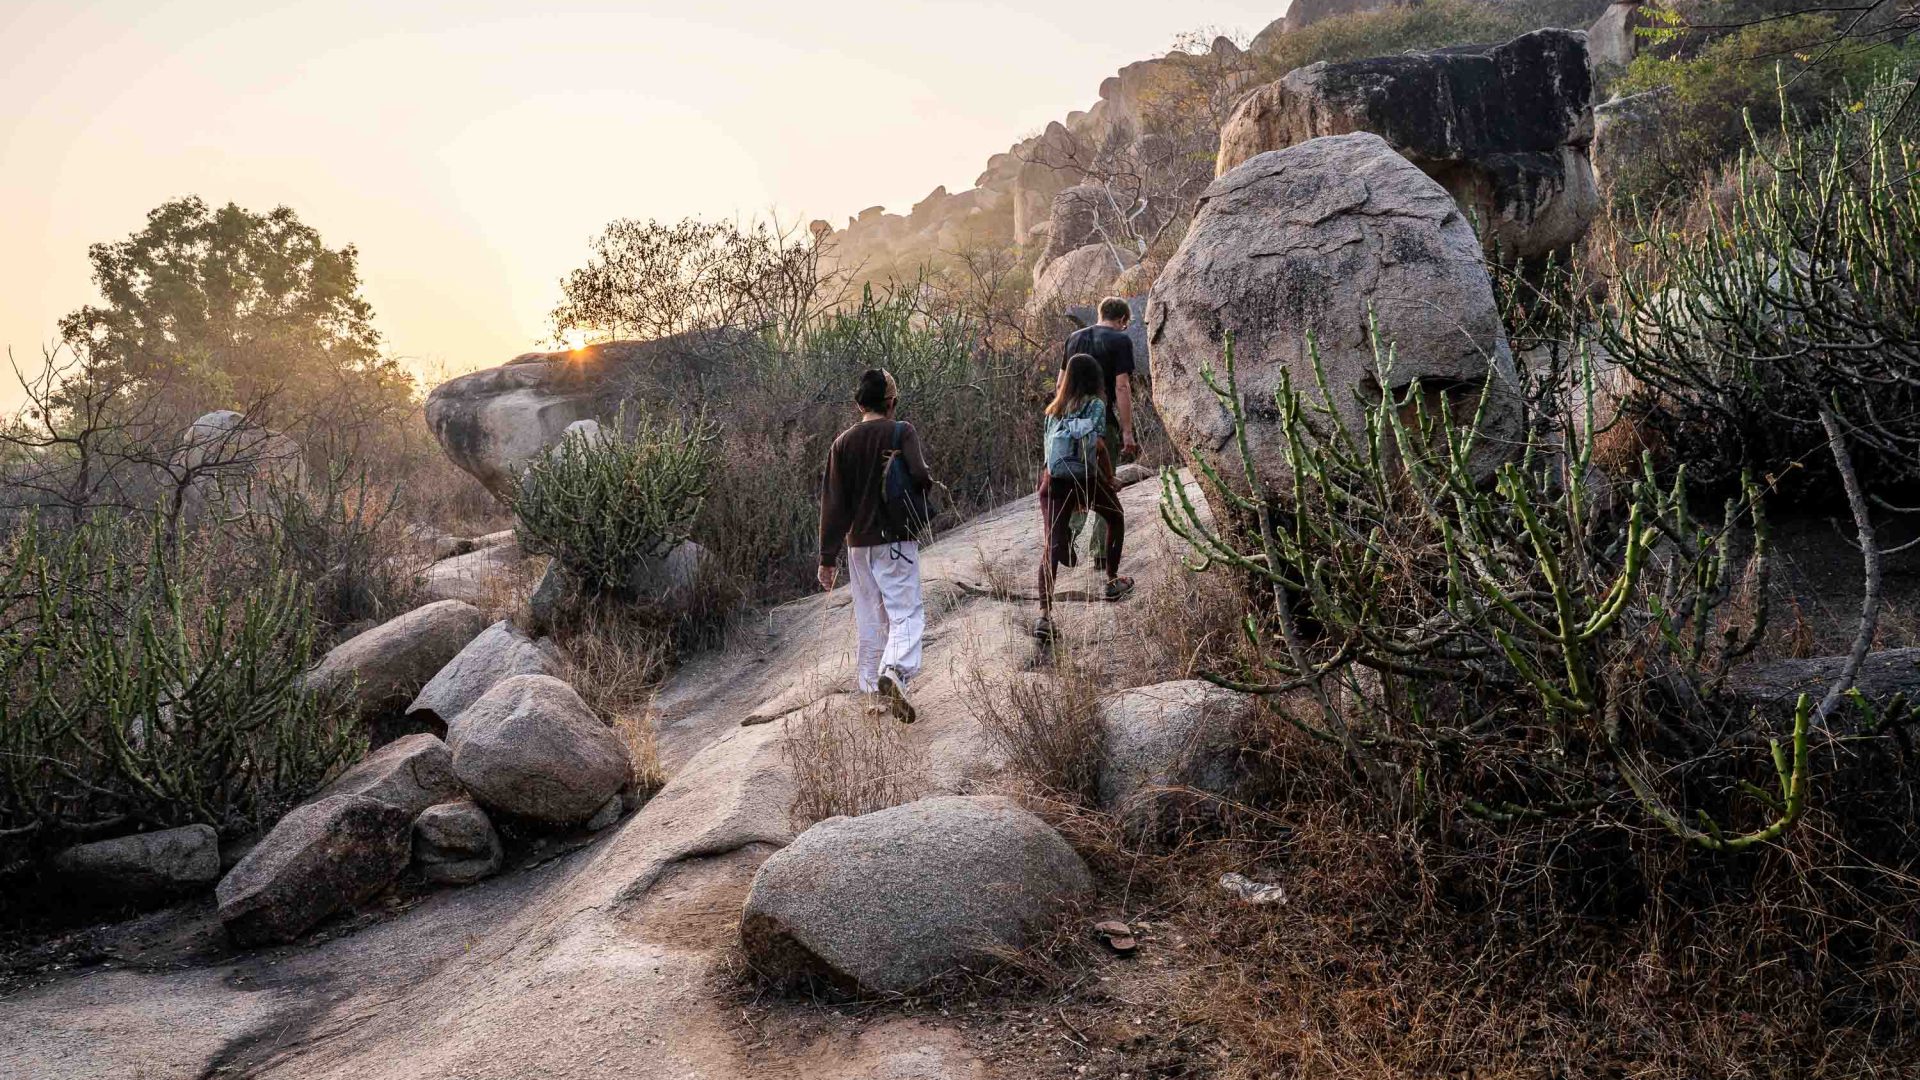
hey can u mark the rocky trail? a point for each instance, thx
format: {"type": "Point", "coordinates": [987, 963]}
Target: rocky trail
{"type": "Point", "coordinates": [616, 958]}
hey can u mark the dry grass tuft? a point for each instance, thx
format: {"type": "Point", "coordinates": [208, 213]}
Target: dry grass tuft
{"type": "Point", "coordinates": [849, 760]}
{"type": "Point", "coordinates": [1046, 725]}
{"type": "Point", "coordinates": [615, 655]}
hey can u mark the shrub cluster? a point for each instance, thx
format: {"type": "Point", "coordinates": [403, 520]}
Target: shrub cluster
{"type": "Point", "coordinates": [142, 687]}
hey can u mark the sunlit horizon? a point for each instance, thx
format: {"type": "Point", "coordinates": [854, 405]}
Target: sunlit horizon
{"type": "Point", "coordinates": [470, 155]}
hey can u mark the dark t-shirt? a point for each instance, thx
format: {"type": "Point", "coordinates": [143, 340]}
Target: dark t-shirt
{"type": "Point", "coordinates": [1111, 349]}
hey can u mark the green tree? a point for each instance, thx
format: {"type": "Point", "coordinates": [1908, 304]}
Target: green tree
{"type": "Point", "coordinates": [226, 308]}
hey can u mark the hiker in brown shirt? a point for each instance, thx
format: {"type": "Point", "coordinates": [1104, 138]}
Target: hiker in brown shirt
{"type": "Point", "coordinates": [883, 558]}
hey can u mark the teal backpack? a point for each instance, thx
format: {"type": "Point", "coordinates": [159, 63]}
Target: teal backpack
{"type": "Point", "coordinates": [1072, 441]}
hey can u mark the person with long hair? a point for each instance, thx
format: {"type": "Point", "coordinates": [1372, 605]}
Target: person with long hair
{"type": "Point", "coordinates": [1078, 478]}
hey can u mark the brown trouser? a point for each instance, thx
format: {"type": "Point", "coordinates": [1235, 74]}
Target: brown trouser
{"type": "Point", "coordinates": [1059, 501]}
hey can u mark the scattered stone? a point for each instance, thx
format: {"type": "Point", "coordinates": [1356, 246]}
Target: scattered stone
{"type": "Point", "coordinates": [530, 747]}
{"type": "Point", "coordinates": [1504, 128]}
{"type": "Point", "coordinates": [144, 867]}
{"type": "Point", "coordinates": [320, 858]}
{"type": "Point", "coordinates": [1118, 936]}
{"type": "Point", "coordinates": [499, 652]}
{"type": "Point", "coordinates": [455, 844]}
{"type": "Point", "coordinates": [885, 902]}
{"type": "Point", "coordinates": [384, 667]}
{"type": "Point", "coordinates": [1132, 473]}
{"type": "Point", "coordinates": [607, 814]}
{"type": "Point", "coordinates": [1168, 747]}
{"type": "Point", "coordinates": [482, 576]}
{"type": "Point", "coordinates": [412, 772]}
{"type": "Point", "coordinates": [674, 582]}
{"type": "Point", "coordinates": [549, 598]}
{"type": "Point", "coordinates": [1316, 239]}
{"type": "Point", "coordinates": [1251, 891]}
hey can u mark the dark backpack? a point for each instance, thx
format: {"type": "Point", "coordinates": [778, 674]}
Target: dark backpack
{"type": "Point", "coordinates": [903, 505]}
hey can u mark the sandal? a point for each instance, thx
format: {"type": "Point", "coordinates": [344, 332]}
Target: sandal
{"type": "Point", "coordinates": [1119, 587]}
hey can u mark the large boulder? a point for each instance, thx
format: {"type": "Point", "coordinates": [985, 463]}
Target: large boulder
{"type": "Point", "coordinates": [1503, 128]}
{"type": "Point", "coordinates": [531, 748]}
{"type": "Point", "coordinates": [1612, 40]}
{"type": "Point", "coordinates": [320, 858]}
{"type": "Point", "coordinates": [384, 667]}
{"type": "Point", "coordinates": [1316, 240]}
{"type": "Point", "coordinates": [499, 653]}
{"type": "Point", "coordinates": [142, 868]}
{"type": "Point", "coordinates": [494, 421]}
{"type": "Point", "coordinates": [235, 464]}
{"type": "Point", "coordinates": [1169, 748]}
{"type": "Point", "coordinates": [483, 576]}
{"type": "Point", "coordinates": [887, 901]}
{"type": "Point", "coordinates": [455, 844]}
{"type": "Point", "coordinates": [1083, 214]}
{"type": "Point", "coordinates": [412, 772]}
{"type": "Point", "coordinates": [1082, 276]}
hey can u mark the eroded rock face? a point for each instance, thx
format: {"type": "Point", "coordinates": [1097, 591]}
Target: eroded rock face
{"type": "Point", "coordinates": [1166, 742]}
{"type": "Point", "coordinates": [143, 868]}
{"type": "Point", "coordinates": [454, 843]}
{"type": "Point", "coordinates": [320, 858]}
{"type": "Point", "coordinates": [1312, 240]}
{"type": "Point", "coordinates": [1504, 128]}
{"type": "Point", "coordinates": [412, 772]}
{"type": "Point", "coordinates": [887, 901]}
{"type": "Point", "coordinates": [530, 747]}
{"type": "Point", "coordinates": [384, 667]}
{"type": "Point", "coordinates": [499, 653]}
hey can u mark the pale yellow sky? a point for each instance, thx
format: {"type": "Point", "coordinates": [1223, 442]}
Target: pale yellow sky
{"type": "Point", "coordinates": [470, 149]}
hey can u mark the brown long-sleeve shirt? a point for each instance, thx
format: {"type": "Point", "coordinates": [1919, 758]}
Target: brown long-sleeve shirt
{"type": "Point", "coordinates": [851, 494]}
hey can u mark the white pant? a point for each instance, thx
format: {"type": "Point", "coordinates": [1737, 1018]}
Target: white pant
{"type": "Point", "coordinates": [888, 609]}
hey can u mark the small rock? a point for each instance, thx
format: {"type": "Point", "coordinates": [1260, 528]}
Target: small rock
{"type": "Point", "coordinates": [320, 858]}
{"type": "Point", "coordinates": [1132, 473]}
{"type": "Point", "coordinates": [412, 772]}
{"type": "Point", "coordinates": [500, 652]}
{"type": "Point", "coordinates": [454, 843]}
{"type": "Point", "coordinates": [384, 667]}
{"type": "Point", "coordinates": [549, 597]}
{"type": "Point", "coordinates": [530, 747]}
{"type": "Point", "coordinates": [144, 867]}
{"type": "Point", "coordinates": [1118, 936]}
{"type": "Point", "coordinates": [607, 814]}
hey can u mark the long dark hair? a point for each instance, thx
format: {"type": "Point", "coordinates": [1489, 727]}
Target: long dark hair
{"type": "Point", "coordinates": [1083, 381]}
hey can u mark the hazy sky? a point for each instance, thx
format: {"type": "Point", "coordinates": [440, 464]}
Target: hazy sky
{"type": "Point", "coordinates": [470, 149]}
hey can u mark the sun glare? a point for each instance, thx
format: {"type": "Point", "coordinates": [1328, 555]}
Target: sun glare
{"type": "Point", "coordinates": [576, 340]}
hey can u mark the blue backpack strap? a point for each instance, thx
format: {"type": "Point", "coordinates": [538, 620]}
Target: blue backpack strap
{"type": "Point", "coordinates": [899, 426]}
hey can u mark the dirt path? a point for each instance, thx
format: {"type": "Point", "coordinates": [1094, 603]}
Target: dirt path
{"type": "Point", "coordinates": [614, 959]}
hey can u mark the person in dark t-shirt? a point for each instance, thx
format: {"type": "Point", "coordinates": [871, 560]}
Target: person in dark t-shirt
{"type": "Point", "coordinates": [1107, 342]}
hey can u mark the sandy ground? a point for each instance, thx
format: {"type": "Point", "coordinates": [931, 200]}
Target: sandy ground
{"type": "Point", "coordinates": [615, 959]}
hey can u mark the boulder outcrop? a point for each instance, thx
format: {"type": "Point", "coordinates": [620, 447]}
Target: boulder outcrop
{"type": "Point", "coordinates": [531, 748]}
{"type": "Point", "coordinates": [1082, 276]}
{"type": "Point", "coordinates": [1167, 746]}
{"type": "Point", "coordinates": [383, 668]}
{"type": "Point", "coordinates": [1316, 240]}
{"type": "Point", "coordinates": [887, 901]}
{"type": "Point", "coordinates": [143, 868]}
{"type": "Point", "coordinates": [494, 421]}
{"type": "Point", "coordinates": [1504, 128]}
{"type": "Point", "coordinates": [412, 772]}
{"type": "Point", "coordinates": [454, 843]}
{"type": "Point", "coordinates": [320, 858]}
{"type": "Point", "coordinates": [233, 463]}
{"type": "Point", "coordinates": [500, 652]}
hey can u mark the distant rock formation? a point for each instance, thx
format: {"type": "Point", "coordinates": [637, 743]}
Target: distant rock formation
{"type": "Point", "coordinates": [1504, 128]}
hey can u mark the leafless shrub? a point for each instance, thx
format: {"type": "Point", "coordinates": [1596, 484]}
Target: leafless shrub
{"type": "Point", "coordinates": [615, 655]}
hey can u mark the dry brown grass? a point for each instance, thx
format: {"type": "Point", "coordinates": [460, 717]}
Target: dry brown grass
{"type": "Point", "coordinates": [849, 759]}
{"type": "Point", "coordinates": [615, 656]}
{"type": "Point", "coordinates": [1046, 725]}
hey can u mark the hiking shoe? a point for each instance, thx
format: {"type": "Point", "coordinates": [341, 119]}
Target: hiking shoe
{"type": "Point", "coordinates": [893, 689]}
{"type": "Point", "coordinates": [1119, 587]}
{"type": "Point", "coordinates": [1043, 629]}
